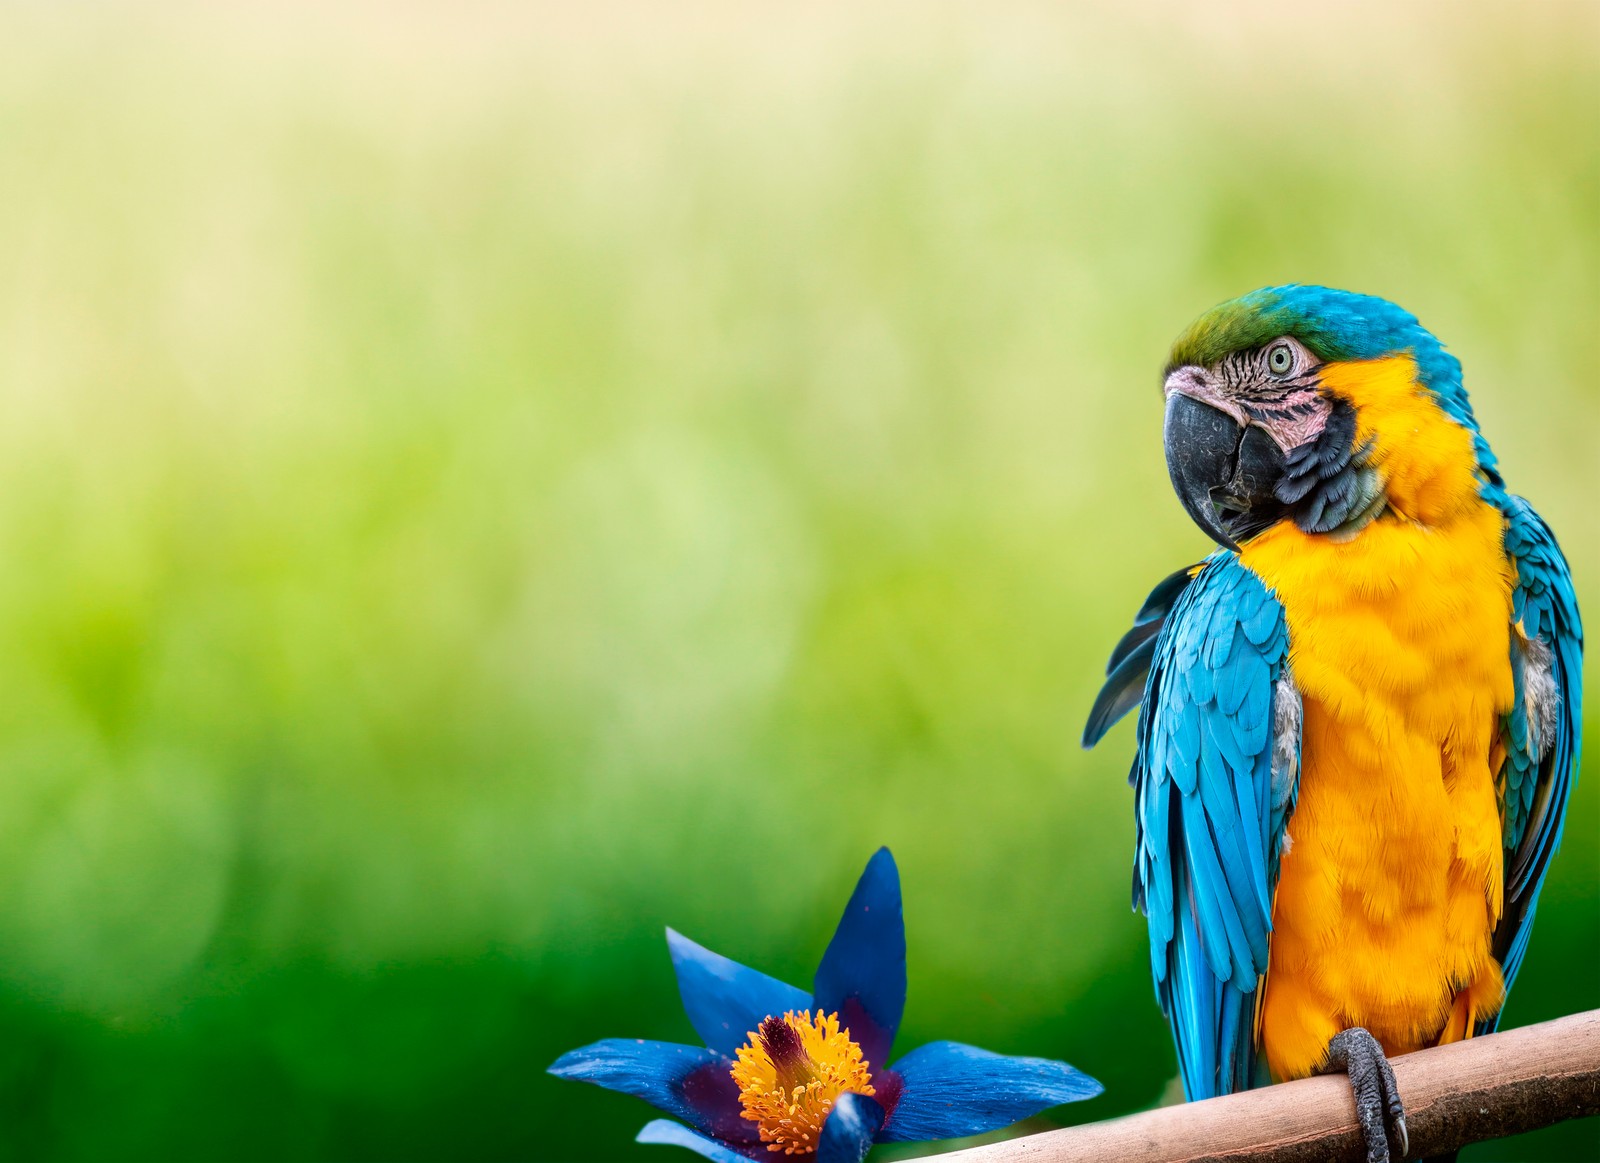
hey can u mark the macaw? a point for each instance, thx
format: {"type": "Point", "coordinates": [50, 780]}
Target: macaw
{"type": "Point", "coordinates": [1359, 718]}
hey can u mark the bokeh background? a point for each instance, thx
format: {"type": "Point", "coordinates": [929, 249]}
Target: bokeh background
{"type": "Point", "coordinates": [481, 483]}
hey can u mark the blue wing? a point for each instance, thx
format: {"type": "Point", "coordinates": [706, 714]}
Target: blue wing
{"type": "Point", "coordinates": [1210, 814]}
{"type": "Point", "coordinates": [1543, 731]}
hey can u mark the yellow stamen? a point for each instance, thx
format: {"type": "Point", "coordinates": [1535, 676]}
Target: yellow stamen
{"type": "Point", "coordinates": [791, 1072]}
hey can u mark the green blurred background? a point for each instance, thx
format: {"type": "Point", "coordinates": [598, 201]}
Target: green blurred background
{"type": "Point", "coordinates": [481, 483]}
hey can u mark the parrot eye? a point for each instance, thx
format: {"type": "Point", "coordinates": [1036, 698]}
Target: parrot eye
{"type": "Point", "coordinates": [1280, 359]}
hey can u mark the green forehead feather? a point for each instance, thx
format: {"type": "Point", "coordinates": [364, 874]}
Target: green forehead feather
{"type": "Point", "coordinates": [1246, 323]}
{"type": "Point", "coordinates": [1237, 325]}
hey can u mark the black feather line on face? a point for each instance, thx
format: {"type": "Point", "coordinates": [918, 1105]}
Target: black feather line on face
{"type": "Point", "coordinates": [1327, 485]}
{"type": "Point", "coordinates": [1246, 377]}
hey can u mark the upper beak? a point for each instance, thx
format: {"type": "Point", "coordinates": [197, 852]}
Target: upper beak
{"type": "Point", "coordinates": [1200, 445]}
{"type": "Point", "coordinates": [1222, 472]}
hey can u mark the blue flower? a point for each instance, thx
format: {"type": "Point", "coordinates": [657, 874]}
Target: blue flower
{"type": "Point", "coordinates": [804, 1074]}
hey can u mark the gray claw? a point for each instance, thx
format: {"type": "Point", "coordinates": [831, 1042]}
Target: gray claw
{"type": "Point", "coordinates": [1357, 1053]}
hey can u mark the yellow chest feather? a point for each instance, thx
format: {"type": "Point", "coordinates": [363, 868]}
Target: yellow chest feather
{"type": "Point", "coordinates": [1390, 885]}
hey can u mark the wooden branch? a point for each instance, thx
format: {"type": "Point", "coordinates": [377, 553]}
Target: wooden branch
{"type": "Point", "coordinates": [1483, 1088]}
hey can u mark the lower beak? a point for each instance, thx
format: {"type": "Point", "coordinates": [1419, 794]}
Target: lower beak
{"type": "Point", "coordinates": [1222, 472]}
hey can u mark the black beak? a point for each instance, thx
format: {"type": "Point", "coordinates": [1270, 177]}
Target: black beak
{"type": "Point", "coordinates": [1223, 474]}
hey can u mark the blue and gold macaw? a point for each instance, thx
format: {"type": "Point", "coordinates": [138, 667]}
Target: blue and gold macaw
{"type": "Point", "coordinates": [1359, 722]}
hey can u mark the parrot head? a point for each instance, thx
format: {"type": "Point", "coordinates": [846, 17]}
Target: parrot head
{"type": "Point", "coordinates": [1260, 426]}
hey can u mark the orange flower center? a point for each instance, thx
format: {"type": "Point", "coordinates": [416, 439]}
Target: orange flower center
{"type": "Point", "coordinates": [791, 1072]}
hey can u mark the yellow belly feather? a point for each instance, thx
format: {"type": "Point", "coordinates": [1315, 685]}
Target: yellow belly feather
{"type": "Point", "coordinates": [1399, 643]}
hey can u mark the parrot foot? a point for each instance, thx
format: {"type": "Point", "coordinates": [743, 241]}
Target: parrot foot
{"type": "Point", "coordinates": [1358, 1054]}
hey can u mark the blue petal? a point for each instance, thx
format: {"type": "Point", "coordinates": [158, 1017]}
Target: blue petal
{"type": "Point", "coordinates": [847, 1135]}
{"type": "Point", "coordinates": [672, 1134]}
{"type": "Point", "coordinates": [687, 1082]}
{"type": "Point", "coordinates": [862, 977]}
{"type": "Point", "coordinates": [952, 1091]}
{"type": "Point", "coordinates": [726, 1001]}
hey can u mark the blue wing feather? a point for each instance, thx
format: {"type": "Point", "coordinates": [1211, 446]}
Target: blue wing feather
{"type": "Point", "coordinates": [1210, 821]}
{"type": "Point", "coordinates": [1130, 659]}
{"type": "Point", "coordinates": [1539, 774]}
